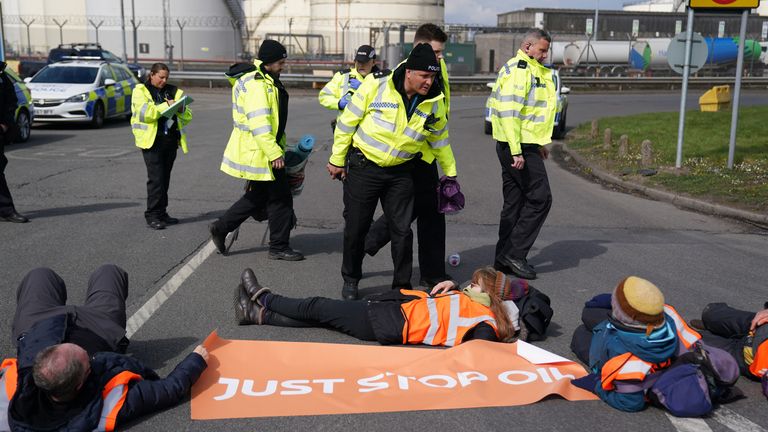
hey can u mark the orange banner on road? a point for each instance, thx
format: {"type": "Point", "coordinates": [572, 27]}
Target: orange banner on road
{"type": "Point", "coordinates": [266, 379]}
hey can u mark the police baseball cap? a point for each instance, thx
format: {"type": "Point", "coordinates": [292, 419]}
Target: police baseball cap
{"type": "Point", "coordinates": [365, 54]}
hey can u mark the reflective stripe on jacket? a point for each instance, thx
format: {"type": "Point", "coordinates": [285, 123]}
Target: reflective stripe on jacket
{"type": "Point", "coordinates": [112, 395]}
{"type": "Point", "coordinates": [442, 320]}
{"type": "Point", "coordinates": [8, 380]}
{"type": "Point", "coordinates": [523, 103]}
{"type": "Point", "coordinates": [252, 144]}
{"type": "Point", "coordinates": [336, 88]}
{"type": "Point", "coordinates": [427, 155]}
{"type": "Point", "coordinates": [376, 122]}
{"type": "Point", "coordinates": [629, 367]}
{"type": "Point", "coordinates": [145, 115]}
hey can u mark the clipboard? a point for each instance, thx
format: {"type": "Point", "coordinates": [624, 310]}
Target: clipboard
{"type": "Point", "coordinates": [173, 109]}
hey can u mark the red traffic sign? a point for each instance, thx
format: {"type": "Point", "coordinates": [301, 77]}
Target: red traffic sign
{"type": "Point", "coordinates": [724, 4]}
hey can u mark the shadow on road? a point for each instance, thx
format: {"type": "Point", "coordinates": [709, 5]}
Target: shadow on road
{"type": "Point", "coordinates": [567, 254]}
{"type": "Point", "coordinates": [38, 140]}
{"type": "Point", "coordinates": [157, 352]}
{"type": "Point", "coordinates": [87, 208]}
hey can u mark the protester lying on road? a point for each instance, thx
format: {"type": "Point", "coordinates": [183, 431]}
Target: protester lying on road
{"type": "Point", "coordinates": [446, 316]}
{"type": "Point", "coordinates": [639, 349]}
{"type": "Point", "coordinates": [742, 334]}
{"type": "Point", "coordinates": [68, 374]}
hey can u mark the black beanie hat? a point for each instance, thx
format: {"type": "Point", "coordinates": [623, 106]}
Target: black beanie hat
{"type": "Point", "coordinates": [423, 58]}
{"type": "Point", "coordinates": [271, 51]}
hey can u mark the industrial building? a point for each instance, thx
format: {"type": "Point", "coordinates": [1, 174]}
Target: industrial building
{"type": "Point", "coordinates": [213, 30]}
{"type": "Point", "coordinates": [643, 31]}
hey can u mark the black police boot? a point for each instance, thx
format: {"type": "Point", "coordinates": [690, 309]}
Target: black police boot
{"type": "Point", "coordinates": [349, 291]}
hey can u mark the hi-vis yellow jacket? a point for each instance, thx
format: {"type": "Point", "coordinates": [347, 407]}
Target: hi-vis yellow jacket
{"type": "Point", "coordinates": [252, 145]}
{"type": "Point", "coordinates": [337, 87]}
{"type": "Point", "coordinates": [375, 121]}
{"type": "Point", "coordinates": [523, 103]}
{"type": "Point", "coordinates": [446, 85]}
{"type": "Point", "coordinates": [146, 114]}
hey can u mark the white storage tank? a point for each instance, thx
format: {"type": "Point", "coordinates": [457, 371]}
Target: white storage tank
{"type": "Point", "coordinates": [594, 52]}
{"type": "Point", "coordinates": [362, 17]}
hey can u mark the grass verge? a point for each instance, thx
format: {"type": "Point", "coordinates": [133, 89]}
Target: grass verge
{"type": "Point", "coordinates": [704, 173]}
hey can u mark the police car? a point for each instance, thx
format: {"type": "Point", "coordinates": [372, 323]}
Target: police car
{"type": "Point", "coordinates": [558, 131]}
{"type": "Point", "coordinates": [25, 111]}
{"type": "Point", "coordinates": [82, 91]}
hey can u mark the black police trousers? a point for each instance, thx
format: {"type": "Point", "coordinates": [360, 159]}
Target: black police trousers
{"type": "Point", "coordinates": [6, 201]}
{"type": "Point", "coordinates": [159, 161]}
{"type": "Point", "coordinates": [276, 196]}
{"type": "Point", "coordinates": [367, 184]}
{"type": "Point", "coordinates": [430, 223]}
{"type": "Point", "coordinates": [527, 200]}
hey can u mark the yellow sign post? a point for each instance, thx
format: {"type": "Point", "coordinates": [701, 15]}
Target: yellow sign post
{"type": "Point", "coordinates": [724, 4]}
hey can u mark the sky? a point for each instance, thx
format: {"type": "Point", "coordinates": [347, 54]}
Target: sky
{"type": "Point", "coordinates": [484, 11]}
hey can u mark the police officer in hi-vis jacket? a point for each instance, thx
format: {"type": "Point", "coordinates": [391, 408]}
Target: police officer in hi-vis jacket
{"type": "Point", "coordinates": [256, 152]}
{"type": "Point", "coordinates": [523, 106]}
{"type": "Point", "coordinates": [336, 94]}
{"type": "Point", "coordinates": [378, 137]}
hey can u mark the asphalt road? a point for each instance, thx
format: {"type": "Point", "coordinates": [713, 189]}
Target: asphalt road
{"type": "Point", "coordinates": [85, 192]}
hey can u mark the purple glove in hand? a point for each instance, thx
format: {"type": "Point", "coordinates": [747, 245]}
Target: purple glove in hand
{"type": "Point", "coordinates": [354, 83]}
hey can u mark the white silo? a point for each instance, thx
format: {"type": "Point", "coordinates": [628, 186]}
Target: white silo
{"type": "Point", "coordinates": [350, 23]}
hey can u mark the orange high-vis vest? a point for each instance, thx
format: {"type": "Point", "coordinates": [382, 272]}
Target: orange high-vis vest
{"type": "Point", "coordinates": [8, 380]}
{"type": "Point", "coordinates": [759, 364]}
{"type": "Point", "coordinates": [629, 367]}
{"type": "Point", "coordinates": [113, 395]}
{"type": "Point", "coordinates": [442, 320]}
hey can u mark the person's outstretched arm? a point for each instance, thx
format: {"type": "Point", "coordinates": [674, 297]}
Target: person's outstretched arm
{"type": "Point", "coordinates": [149, 396]}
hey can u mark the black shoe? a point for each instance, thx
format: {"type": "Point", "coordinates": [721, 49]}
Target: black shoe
{"type": "Point", "coordinates": [519, 267]}
{"type": "Point", "coordinates": [431, 282]}
{"type": "Point", "coordinates": [349, 291]}
{"type": "Point", "coordinates": [286, 255]}
{"type": "Point", "coordinates": [15, 217]}
{"type": "Point", "coordinates": [217, 238]}
{"type": "Point", "coordinates": [697, 324]}
{"type": "Point", "coordinates": [156, 224]}
{"type": "Point", "coordinates": [246, 312]}
{"type": "Point", "coordinates": [252, 286]}
{"type": "Point", "coordinates": [170, 220]}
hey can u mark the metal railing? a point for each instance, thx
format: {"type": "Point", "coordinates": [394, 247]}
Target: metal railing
{"type": "Point", "coordinates": [219, 78]}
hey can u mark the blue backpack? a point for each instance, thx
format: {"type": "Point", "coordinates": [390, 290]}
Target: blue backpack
{"type": "Point", "coordinates": [696, 381]}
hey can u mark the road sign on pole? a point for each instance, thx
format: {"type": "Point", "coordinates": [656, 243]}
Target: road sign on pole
{"type": "Point", "coordinates": [635, 28]}
{"type": "Point", "coordinates": [724, 4]}
{"type": "Point", "coordinates": [737, 86]}
{"type": "Point", "coordinates": [676, 53]}
{"type": "Point", "coordinates": [590, 23]}
{"type": "Point", "coordinates": [764, 33]}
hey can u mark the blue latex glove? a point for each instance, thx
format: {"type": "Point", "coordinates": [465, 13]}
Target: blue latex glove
{"type": "Point", "coordinates": [354, 83]}
{"type": "Point", "coordinates": [344, 101]}
{"type": "Point", "coordinates": [587, 382]}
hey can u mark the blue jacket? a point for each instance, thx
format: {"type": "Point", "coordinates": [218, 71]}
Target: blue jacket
{"type": "Point", "coordinates": [609, 341]}
{"type": "Point", "coordinates": [147, 395]}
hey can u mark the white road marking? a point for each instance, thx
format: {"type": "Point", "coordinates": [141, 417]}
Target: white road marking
{"type": "Point", "coordinates": [141, 316]}
{"type": "Point", "coordinates": [734, 421]}
{"type": "Point", "coordinates": [688, 424]}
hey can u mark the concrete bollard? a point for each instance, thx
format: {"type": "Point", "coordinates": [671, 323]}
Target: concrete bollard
{"type": "Point", "coordinates": [595, 129]}
{"type": "Point", "coordinates": [607, 139]}
{"type": "Point", "coordinates": [623, 145]}
{"type": "Point", "coordinates": [646, 152]}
